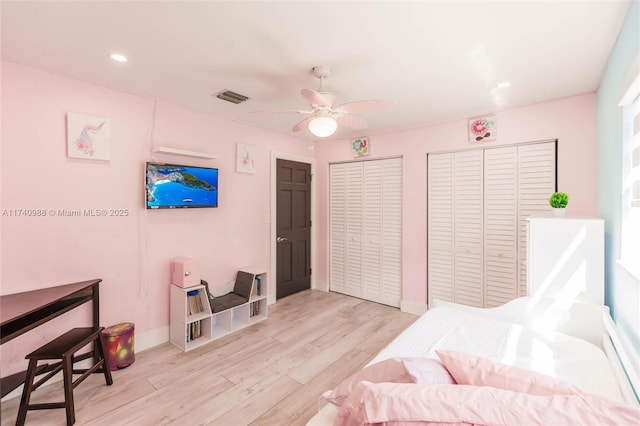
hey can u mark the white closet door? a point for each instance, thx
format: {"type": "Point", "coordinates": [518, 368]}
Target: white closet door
{"type": "Point", "coordinates": [536, 183]}
{"type": "Point", "coordinates": [366, 230]}
{"type": "Point", "coordinates": [354, 207]}
{"type": "Point", "coordinates": [500, 226]}
{"type": "Point", "coordinates": [391, 262]}
{"type": "Point", "coordinates": [440, 232]}
{"type": "Point", "coordinates": [477, 205]}
{"type": "Point", "coordinates": [372, 220]}
{"type": "Point", "coordinates": [468, 216]}
{"type": "Point", "coordinates": [337, 226]}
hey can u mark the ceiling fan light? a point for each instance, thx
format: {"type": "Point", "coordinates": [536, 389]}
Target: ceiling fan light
{"type": "Point", "coordinates": [323, 126]}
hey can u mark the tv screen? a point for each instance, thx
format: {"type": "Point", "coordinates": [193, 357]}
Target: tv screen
{"type": "Point", "coordinates": [173, 186]}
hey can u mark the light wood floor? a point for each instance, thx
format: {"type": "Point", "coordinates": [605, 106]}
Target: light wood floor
{"type": "Point", "coordinates": [271, 373]}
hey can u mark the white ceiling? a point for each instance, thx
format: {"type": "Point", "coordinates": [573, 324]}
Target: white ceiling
{"type": "Point", "coordinates": [439, 60]}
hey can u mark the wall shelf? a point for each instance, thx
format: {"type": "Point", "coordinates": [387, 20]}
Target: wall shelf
{"type": "Point", "coordinates": [176, 151]}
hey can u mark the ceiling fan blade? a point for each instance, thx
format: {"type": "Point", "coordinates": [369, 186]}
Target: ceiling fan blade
{"type": "Point", "coordinates": [314, 98]}
{"type": "Point", "coordinates": [281, 111]}
{"type": "Point", "coordinates": [301, 125]}
{"type": "Point", "coordinates": [350, 121]}
{"type": "Point", "coordinates": [365, 106]}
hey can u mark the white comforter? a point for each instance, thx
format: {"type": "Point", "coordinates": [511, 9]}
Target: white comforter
{"type": "Point", "coordinates": [565, 357]}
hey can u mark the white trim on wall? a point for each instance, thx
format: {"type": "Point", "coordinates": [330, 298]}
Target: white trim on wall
{"type": "Point", "coordinates": [150, 339]}
{"type": "Point", "coordinates": [413, 307]}
{"type": "Point", "coordinates": [275, 155]}
{"type": "Point", "coordinates": [489, 146]}
{"type": "Point", "coordinates": [322, 286]}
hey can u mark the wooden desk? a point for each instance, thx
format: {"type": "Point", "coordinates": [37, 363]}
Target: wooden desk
{"type": "Point", "coordinates": [22, 312]}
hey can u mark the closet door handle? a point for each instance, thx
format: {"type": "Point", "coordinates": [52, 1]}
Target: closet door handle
{"type": "Point", "coordinates": [281, 239]}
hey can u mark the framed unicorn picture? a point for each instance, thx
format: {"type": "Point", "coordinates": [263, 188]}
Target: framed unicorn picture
{"type": "Point", "coordinates": [245, 158]}
{"type": "Point", "coordinates": [88, 137]}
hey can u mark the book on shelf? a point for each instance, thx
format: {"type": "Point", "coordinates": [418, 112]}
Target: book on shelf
{"type": "Point", "coordinates": [194, 330]}
{"type": "Point", "coordinates": [194, 302]}
{"type": "Point", "coordinates": [254, 309]}
{"type": "Point", "coordinates": [256, 290]}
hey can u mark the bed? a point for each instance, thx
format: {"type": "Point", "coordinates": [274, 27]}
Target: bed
{"type": "Point", "coordinates": [577, 344]}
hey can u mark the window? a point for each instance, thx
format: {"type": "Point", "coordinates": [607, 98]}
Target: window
{"type": "Point", "coordinates": [631, 149]}
{"type": "Point", "coordinates": [630, 228]}
{"type": "Point", "coordinates": [635, 156]}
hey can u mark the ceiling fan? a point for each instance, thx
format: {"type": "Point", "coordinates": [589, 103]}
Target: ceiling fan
{"type": "Point", "coordinates": [324, 117]}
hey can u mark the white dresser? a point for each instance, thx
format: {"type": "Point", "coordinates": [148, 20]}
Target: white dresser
{"type": "Point", "coordinates": [565, 258]}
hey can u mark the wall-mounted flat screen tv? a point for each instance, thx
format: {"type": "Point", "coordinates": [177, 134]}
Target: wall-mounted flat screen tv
{"type": "Point", "coordinates": [174, 186]}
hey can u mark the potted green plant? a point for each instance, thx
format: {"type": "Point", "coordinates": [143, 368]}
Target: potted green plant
{"type": "Point", "coordinates": [559, 201]}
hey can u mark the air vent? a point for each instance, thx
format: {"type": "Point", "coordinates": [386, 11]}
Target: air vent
{"type": "Point", "coordinates": [230, 96]}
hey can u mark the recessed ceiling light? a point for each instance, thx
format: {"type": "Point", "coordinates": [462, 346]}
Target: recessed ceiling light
{"type": "Point", "coordinates": [504, 84]}
{"type": "Point", "coordinates": [118, 57]}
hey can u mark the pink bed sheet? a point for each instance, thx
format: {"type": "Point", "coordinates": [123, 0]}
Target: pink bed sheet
{"type": "Point", "coordinates": [414, 404]}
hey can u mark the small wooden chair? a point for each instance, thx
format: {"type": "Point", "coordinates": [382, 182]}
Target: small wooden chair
{"type": "Point", "coordinates": [63, 348]}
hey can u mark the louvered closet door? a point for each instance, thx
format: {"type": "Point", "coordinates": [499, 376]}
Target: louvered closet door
{"type": "Point", "coordinates": [477, 205]}
{"type": "Point", "coordinates": [391, 262]}
{"type": "Point", "coordinates": [366, 230]}
{"type": "Point", "coordinates": [372, 218]}
{"type": "Point", "coordinates": [440, 227]}
{"type": "Point", "coordinates": [467, 213]}
{"type": "Point", "coordinates": [337, 226]}
{"type": "Point", "coordinates": [536, 182]}
{"type": "Point", "coordinates": [500, 226]}
{"type": "Point", "coordinates": [354, 222]}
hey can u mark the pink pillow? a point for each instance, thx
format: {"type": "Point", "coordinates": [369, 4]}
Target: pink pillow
{"type": "Point", "coordinates": [468, 369]}
{"type": "Point", "coordinates": [413, 404]}
{"type": "Point", "coordinates": [397, 370]}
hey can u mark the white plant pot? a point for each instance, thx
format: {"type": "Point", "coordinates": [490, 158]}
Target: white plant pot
{"type": "Point", "coordinates": [559, 212]}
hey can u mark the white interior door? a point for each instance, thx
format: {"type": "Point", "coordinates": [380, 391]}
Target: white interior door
{"type": "Point", "coordinates": [366, 230]}
{"type": "Point", "coordinates": [440, 232]}
{"type": "Point", "coordinates": [500, 225]}
{"type": "Point", "coordinates": [354, 210]}
{"type": "Point", "coordinates": [478, 203]}
{"type": "Point", "coordinates": [337, 226]}
{"type": "Point", "coordinates": [372, 219]}
{"type": "Point", "coordinates": [391, 262]}
{"type": "Point", "coordinates": [536, 182]}
{"type": "Point", "coordinates": [467, 229]}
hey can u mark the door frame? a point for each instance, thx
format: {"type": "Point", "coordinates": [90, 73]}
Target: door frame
{"type": "Point", "coordinates": [273, 279]}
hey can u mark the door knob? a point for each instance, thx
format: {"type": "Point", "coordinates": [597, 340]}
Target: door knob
{"type": "Point", "coordinates": [281, 239]}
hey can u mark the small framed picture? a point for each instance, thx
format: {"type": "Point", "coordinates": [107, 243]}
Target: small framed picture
{"type": "Point", "coordinates": [482, 129]}
{"type": "Point", "coordinates": [88, 137]}
{"type": "Point", "coordinates": [361, 147]}
{"type": "Point", "coordinates": [245, 158]}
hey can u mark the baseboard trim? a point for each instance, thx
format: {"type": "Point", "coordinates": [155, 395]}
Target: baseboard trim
{"type": "Point", "coordinates": [322, 286]}
{"type": "Point", "coordinates": [413, 308]}
{"type": "Point", "coordinates": [150, 339]}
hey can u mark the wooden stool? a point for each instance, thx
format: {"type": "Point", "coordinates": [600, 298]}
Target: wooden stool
{"type": "Point", "coordinates": [64, 348]}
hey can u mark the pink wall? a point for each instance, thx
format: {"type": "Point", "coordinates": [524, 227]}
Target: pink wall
{"type": "Point", "coordinates": [570, 120]}
{"type": "Point", "coordinates": [131, 254]}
